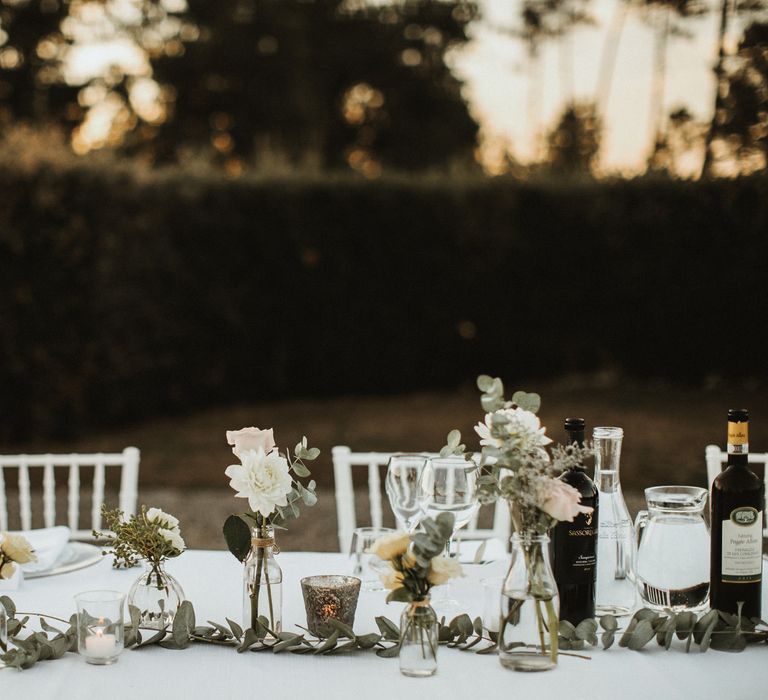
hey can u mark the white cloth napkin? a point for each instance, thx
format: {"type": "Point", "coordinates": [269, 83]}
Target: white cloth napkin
{"type": "Point", "coordinates": [48, 544]}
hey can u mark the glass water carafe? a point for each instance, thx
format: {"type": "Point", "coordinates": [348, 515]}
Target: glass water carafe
{"type": "Point", "coordinates": [672, 567]}
{"type": "Point", "coordinates": [615, 593]}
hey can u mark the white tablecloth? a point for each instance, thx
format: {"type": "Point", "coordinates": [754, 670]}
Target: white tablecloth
{"type": "Point", "coordinates": [212, 581]}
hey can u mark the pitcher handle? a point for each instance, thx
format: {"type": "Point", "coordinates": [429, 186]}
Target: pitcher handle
{"type": "Point", "coordinates": [641, 522]}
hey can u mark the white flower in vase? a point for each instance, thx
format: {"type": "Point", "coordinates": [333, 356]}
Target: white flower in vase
{"type": "Point", "coordinates": [264, 479]}
{"type": "Point", "coordinates": [174, 538]}
{"type": "Point", "coordinates": [522, 428]}
{"type": "Point", "coordinates": [247, 439]}
{"type": "Point", "coordinates": [166, 520]}
{"type": "Point", "coordinates": [560, 500]}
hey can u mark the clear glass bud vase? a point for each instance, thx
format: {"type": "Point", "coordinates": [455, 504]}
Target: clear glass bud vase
{"type": "Point", "coordinates": [157, 595]}
{"type": "Point", "coordinates": [419, 639]}
{"type": "Point", "coordinates": [263, 583]}
{"type": "Point", "coordinates": [529, 607]}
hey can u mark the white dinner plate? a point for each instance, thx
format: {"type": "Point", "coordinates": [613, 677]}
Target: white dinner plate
{"type": "Point", "coordinates": [76, 555]}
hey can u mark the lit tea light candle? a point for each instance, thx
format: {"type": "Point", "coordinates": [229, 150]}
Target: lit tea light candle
{"type": "Point", "coordinates": [329, 598]}
{"type": "Point", "coordinates": [100, 645]}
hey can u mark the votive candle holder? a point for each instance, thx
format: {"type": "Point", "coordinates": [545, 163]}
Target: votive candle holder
{"type": "Point", "coordinates": [329, 597]}
{"type": "Point", "coordinates": [100, 627]}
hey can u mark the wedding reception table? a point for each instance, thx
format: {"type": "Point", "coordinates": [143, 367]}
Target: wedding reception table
{"type": "Point", "coordinates": [212, 581]}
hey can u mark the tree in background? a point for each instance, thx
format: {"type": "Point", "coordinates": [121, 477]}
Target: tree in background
{"type": "Point", "coordinates": [683, 137]}
{"type": "Point", "coordinates": [32, 51]}
{"type": "Point", "coordinates": [729, 9]}
{"type": "Point", "coordinates": [336, 82]}
{"type": "Point", "coordinates": [742, 129]}
{"type": "Point", "coordinates": [574, 144]}
{"type": "Point", "coordinates": [666, 17]}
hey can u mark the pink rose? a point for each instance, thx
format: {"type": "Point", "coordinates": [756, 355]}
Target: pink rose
{"type": "Point", "coordinates": [251, 439]}
{"type": "Point", "coordinates": [561, 501]}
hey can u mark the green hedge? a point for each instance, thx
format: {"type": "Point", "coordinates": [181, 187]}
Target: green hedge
{"type": "Point", "coordinates": [125, 296]}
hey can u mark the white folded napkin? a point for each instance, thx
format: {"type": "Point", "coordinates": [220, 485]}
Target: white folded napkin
{"type": "Point", "coordinates": [48, 544]}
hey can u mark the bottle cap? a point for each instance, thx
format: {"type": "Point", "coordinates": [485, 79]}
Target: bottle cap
{"type": "Point", "coordinates": [738, 415]}
{"type": "Point", "coordinates": [572, 424]}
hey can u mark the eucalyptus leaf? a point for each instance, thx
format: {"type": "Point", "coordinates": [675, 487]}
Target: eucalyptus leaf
{"type": "Point", "coordinates": [485, 383]}
{"type": "Point", "coordinates": [238, 537]}
{"type": "Point", "coordinates": [609, 623]}
{"type": "Point", "coordinates": [641, 635]}
{"type": "Point", "coordinates": [237, 631]}
{"type": "Point", "coordinates": [388, 629]}
{"type": "Point", "coordinates": [389, 652]}
{"type": "Point", "coordinates": [328, 643]}
{"type": "Point", "coordinates": [300, 470]}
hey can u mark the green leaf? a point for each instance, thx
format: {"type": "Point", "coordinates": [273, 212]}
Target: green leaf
{"type": "Point", "coordinates": [607, 639]}
{"type": "Point", "coordinates": [237, 631]}
{"type": "Point", "coordinates": [707, 636]}
{"type": "Point", "coordinates": [566, 630]}
{"type": "Point", "coordinates": [484, 383]}
{"type": "Point", "coordinates": [329, 643]}
{"type": "Point", "coordinates": [311, 454]}
{"type": "Point", "coordinates": [238, 537]}
{"type": "Point", "coordinates": [586, 630]}
{"type": "Point", "coordinates": [400, 595]}
{"type": "Point", "coordinates": [609, 623]}
{"type": "Point", "coordinates": [641, 635]}
{"type": "Point", "coordinates": [528, 402]}
{"type": "Point", "coordinates": [684, 624]}
{"type": "Point", "coordinates": [388, 629]}
{"type": "Point", "coordinates": [249, 639]}
{"type": "Point", "coordinates": [300, 470]}
{"type": "Point", "coordinates": [453, 439]}
{"type": "Point", "coordinates": [389, 652]}
{"type": "Point", "coordinates": [9, 605]}
{"type": "Point", "coordinates": [342, 629]}
{"type": "Point", "coordinates": [367, 641]}
{"type": "Point", "coordinates": [700, 628]}
{"type": "Point", "coordinates": [49, 628]}
{"type": "Point", "coordinates": [728, 641]}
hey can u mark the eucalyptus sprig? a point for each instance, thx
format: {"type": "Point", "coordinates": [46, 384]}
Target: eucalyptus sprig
{"type": "Point", "coordinates": [713, 630]}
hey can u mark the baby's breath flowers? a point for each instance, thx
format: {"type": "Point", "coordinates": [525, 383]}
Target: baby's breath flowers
{"type": "Point", "coordinates": [151, 535]}
{"type": "Point", "coordinates": [14, 549]}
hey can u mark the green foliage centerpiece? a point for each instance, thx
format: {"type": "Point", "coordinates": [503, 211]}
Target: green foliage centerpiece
{"type": "Point", "coordinates": [151, 536]}
{"type": "Point", "coordinates": [268, 480]}
{"type": "Point", "coordinates": [515, 465]}
{"type": "Point", "coordinates": [414, 564]}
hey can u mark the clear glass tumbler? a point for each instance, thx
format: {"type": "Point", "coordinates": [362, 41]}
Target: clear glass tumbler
{"type": "Point", "coordinates": [100, 628]}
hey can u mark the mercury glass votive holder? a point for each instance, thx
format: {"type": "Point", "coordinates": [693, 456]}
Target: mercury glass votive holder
{"type": "Point", "coordinates": [100, 628]}
{"type": "Point", "coordinates": [330, 597]}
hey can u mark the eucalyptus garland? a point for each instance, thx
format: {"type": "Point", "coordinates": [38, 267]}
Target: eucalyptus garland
{"type": "Point", "coordinates": [715, 630]}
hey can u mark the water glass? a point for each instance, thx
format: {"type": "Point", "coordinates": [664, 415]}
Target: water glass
{"type": "Point", "coordinates": [100, 629]}
{"type": "Point", "coordinates": [402, 484]}
{"type": "Point", "coordinates": [364, 564]}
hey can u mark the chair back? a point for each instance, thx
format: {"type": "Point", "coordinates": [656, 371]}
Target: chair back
{"type": "Point", "coordinates": [127, 461]}
{"type": "Point", "coordinates": [344, 461]}
{"type": "Point", "coordinates": [716, 458]}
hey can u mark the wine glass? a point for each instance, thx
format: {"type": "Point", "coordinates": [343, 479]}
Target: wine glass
{"type": "Point", "coordinates": [449, 485]}
{"type": "Point", "coordinates": [402, 485]}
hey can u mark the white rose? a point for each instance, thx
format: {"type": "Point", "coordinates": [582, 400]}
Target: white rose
{"type": "Point", "coordinates": [442, 569]}
{"type": "Point", "coordinates": [17, 548]}
{"type": "Point", "coordinates": [263, 479]}
{"type": "Point", "coordinates": [155, 515]}
{"type": "Point", "coordinates": [390, 546]}
{"type": "Point", "coordinates": [174, 539]}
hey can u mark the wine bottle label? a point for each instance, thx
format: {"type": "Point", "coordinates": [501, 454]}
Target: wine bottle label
{"type": "Point", "coordinates": [742, 546]}
{"type": "Point", "coordinates": [581, 548]}
{"type": "Point", "coordinates": [738, 438]}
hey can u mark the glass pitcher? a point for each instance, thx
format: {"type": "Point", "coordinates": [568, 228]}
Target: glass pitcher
{"type": "Point", "coordinates": [672, 566]}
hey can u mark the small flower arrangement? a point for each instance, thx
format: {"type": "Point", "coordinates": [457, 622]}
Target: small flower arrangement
{"type": "Point", "coordinates": [151, 534]}
{"type": "Point", "coordinates": [264, 477]}
{"type": "Point", "coordinates": [416, 562]}
{"type": "Point", "coordinates": [14, 549]}
{"type": "Point", "coordinates": [515, 464]}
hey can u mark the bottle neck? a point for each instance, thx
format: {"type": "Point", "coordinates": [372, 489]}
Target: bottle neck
{"type": "Point", "coordinates": [576, 436]}
{"type": "Point", "coordinates": [263, 537]}
{"type": "Point", "coordinates": [738, 443]}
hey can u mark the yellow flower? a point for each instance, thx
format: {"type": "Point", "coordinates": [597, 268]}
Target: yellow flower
{"type": "Point", "coordinates": [6, 570]}
{"type": "Point", "coordinates": [390, 546]}
{"type": "Point", "coordinates": [442, 569]}
{"type": "Point", "coordinates": [391, 579]}
{"type": "Point", "coordinates": [17, 548]}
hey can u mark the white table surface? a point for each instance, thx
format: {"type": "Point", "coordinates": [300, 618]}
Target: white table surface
{"type": "Point", "coordinates": [212, 581]}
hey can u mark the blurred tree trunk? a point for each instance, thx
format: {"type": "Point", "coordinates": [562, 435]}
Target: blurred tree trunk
{"type": "Point", "coordinates": [706, 168]}
{"type": "Point", "coordinates": [609, 54]}
{"type": "Point", "coordinates": [658, 119]}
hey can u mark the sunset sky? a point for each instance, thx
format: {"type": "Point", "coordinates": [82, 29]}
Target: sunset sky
{"type": "Point", "coordinates": [494, 67]}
